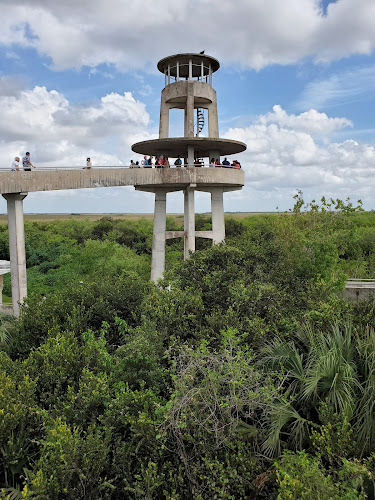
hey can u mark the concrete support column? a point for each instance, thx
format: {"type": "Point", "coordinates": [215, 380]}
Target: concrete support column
{"type": "Point", "coordinates": [189, 222]}
{"type": "Point", "coordinates": [164, 120]}
{"type": "Point", "coordinates": [17, 248]}
{"type": "Point", "coordinates": [158, 241]}
{"type": "Point", "coordinates": [185, 122]}
{"type": "Point", "coordinates": [190, 156]}
{"type": "Point", "coordinates": [217, 209]}
{"type": "Point", "coordinates": [213, 121]}
{"type": "Point", "coordinates": [189, 130]}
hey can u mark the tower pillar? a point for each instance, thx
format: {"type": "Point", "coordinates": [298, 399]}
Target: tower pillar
{"type": "Point", "coordinates": [213, 121]}
{"type": "Point", "coordinates": [158, 241]}
{"type": "Point", "coordinates": [189, 221]}
{"type": "Point", "coordinates": [217, 209]}
{"type": "Point", "coordinates": [189, 131]}
{"type": "Point", "coordinates": [164, 120]}
{"type": "Point", "coordinates": [17, 248]}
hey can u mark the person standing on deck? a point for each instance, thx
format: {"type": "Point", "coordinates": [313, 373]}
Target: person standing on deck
{"type": "Point", "coordinates": [26, 163]}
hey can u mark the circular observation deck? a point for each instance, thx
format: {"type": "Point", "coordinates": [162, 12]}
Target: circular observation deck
{"type": "Point", "coordinates": [178, 146]}
{"type": "Point", "coordinates": [178, 65]}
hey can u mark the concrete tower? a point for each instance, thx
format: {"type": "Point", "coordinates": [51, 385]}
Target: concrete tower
{"type": "Point", "coordinates": [188, 86]}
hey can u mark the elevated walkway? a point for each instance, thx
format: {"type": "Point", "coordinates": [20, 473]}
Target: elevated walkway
{"type": "Point", "coordinates": [174, 178]}
{"type": "Point", "coordinates": [14, 187]}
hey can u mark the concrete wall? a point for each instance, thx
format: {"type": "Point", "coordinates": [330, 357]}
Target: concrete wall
{"type": "Point", "coordinates": [356, 291]}
{"type": "Point", "coordinates": [49, 180]}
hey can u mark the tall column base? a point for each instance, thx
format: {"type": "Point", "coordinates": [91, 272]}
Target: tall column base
{"type": "Point", "coordinates": [17, 248]}
{"type": "Point", "coordinates": [189, 222]}
{"type": "Point", "coordinates": [217, 209]}
{"type": "Point", "coordinates": [158, 241]}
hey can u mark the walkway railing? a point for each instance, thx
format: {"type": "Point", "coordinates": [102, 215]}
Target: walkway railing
{"type": "Point", "coordinates": [158, 167]}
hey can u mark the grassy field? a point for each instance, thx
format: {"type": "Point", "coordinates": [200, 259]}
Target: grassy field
{"type": "Point", "coordinates": [94, 217]}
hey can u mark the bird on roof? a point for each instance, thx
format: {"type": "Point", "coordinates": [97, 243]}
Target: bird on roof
{"type": "Point", "coordinates": [202, 52]}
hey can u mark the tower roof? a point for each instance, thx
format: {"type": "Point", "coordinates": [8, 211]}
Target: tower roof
{"type": "Point", "coordinates": [183, 60]}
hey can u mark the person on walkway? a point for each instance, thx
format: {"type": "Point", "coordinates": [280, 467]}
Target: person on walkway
{"type": "Point", "coordinates": [226, 163]}
{"type": "Point", "coordinates": [217, 163]}
{"type": "Point", "coordinates": [212, 162]}
{"type": "Point", "coordinates": [132, 164]}
{"type": "Point", "coordinates": [26, 163]}
{"type": "Point", "coordinates": [144, 161]}
{"type": "Point", "coordinates": [178, 162]}
{"type": "Point", "coordinates": [166, 162]}
{"type": "Point", "coordinates": [148, 162]}
{"type": "Point", "coordinates": [16, 164]}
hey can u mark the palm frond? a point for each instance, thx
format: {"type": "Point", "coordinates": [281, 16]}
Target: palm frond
{"type": "Point", "coordinates": [284, 418]}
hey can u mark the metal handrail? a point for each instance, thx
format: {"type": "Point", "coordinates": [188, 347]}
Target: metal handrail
{"type": "Point", "coordinates": [204, 165]}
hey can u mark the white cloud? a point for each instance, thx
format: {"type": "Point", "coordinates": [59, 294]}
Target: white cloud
{"type": "Point", "coordinates": [58, 133]}
{"type": "Point", "coordinates": [284, 150]}
{"type": "Point", "coordinates": [340, 88]}
{"type": "Point", "coordinates": [310, 121]}
{"type": "Point", "coordinates": [282, 155]}
{"type": "Point", "coordinates": [135, 34]}
{"type": "Point", "coordinates": [10, 86]}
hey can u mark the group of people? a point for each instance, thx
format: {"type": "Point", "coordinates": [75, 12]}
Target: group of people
{"type": "Point", "coordinates": [225, 163]}
{"type": "Point", "coordinates": [26, 163]}
{"type": "Point", "coordinates": [163, 162]}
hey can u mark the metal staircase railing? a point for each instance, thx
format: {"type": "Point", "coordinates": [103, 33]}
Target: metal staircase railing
{"type": "Point", "coordinates": [200, 121]}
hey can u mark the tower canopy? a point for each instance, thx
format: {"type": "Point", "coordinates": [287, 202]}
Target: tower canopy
{"type": "Point", "coordinates": [183, 65]}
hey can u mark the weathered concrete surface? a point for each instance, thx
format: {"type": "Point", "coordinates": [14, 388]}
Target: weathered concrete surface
{"type": "Point", "coordinates": [179, 178]}
{"type": "Point", "coordinates": [356, 290]}
{"type": "Point", "coordinates": [17, 248]}
{"type": "Point", "coordinates": [4, 267]}
{"type": "Point", "coordinates": [158, 240]}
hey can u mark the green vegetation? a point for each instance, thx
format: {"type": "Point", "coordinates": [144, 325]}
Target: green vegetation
{"type": "Point", "coordinates": [243, 374]}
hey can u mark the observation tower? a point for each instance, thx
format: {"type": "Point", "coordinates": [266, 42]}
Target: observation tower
{"type": "Point", "coordinates": [188, 86]}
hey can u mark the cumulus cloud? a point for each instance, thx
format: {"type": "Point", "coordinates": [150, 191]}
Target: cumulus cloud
{"type": "Point", "coordinates": [43, 121]}
{"type": "Point", "coordinates": [283, 154]}
{"type": "Point", "coordinates": [310, 121]}
{"type": "Point", "coordinates": [285, 151]}
{"type": "Point", "coordinates": [124, 34]}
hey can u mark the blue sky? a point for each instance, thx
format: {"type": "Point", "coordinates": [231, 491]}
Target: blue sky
{"type": "Point", "coordinates": [296, 83]}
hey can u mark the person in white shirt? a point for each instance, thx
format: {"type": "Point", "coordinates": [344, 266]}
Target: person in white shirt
{"type": "Point", "coordinates": [16, 164]}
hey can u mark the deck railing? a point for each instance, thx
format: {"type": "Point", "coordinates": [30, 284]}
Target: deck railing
{"type": "Point", "coordinates": [202, 165]}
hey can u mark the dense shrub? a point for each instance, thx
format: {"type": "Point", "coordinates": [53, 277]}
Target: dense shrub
{"type": "Point", "coordinates": [246, 353]}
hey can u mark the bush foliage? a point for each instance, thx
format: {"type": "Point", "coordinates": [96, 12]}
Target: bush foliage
{"type": "Point", "coordinates": [242, 374]}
